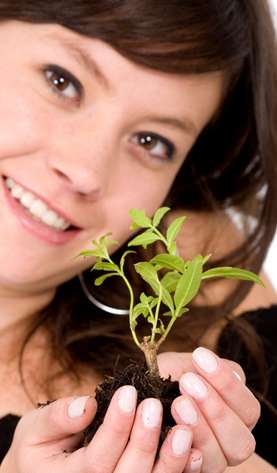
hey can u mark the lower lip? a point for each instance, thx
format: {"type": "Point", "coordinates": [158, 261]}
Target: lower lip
{"type": "Point", "coordinates": [38, 229]}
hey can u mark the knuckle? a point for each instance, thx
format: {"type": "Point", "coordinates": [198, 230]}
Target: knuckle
{"type": "Point", "coordinates": [220, 468]}
{"type": "Point", "coordinates": [97, 465]}
{"type": "Point", "coordinates": [120, 428]}
{"type": "Point", "coordinates": [245, 449]}
{"type": "Point", "coordinates": [166, 463]}
{"type": "Point", "coordinates": [145, 444]}
{"type": "Point", "coordinates": [220, 465]}
{"type": "Point", "coordinates": [98, 468]}
{"type": "Point", "coordinates": [216, 410]}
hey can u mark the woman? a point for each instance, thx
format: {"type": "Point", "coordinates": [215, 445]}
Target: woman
{"type": "Point", "coordinates": [106, 106]}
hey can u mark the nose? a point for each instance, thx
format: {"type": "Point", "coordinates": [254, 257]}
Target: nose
{"type": "Point", "coordinates": [82, 161]}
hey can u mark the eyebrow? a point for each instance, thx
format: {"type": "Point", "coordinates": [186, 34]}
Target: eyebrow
{"type": "Point", "coordinates": [185, 124]}
{"type": "Point", "coordinates": [84, 59]}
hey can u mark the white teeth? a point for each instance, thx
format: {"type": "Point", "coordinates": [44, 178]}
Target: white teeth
{"type": "Point", "coordinates": [17, 191]}
{"type": "Point", "coordinates": [9, 183]}
{"type": "Point", "coordinates": [36, 207]}
{"type": "Point", "coordinates": [49, 217]}
{"type": "Point", "coordinates": [27, 199]}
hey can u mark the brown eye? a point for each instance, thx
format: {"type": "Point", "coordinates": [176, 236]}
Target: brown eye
{"type": "Point", "coordinates": [156, 145]}
{"type": "Point", "coordinates": [63, 82]}
{"type": "Point", "coordinates": [148, 142]}
{"type": "Point", "coordinates": [59, 81]}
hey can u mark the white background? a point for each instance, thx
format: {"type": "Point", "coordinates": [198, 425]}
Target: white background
{"type": "Point", "coordinates": [271, 260]}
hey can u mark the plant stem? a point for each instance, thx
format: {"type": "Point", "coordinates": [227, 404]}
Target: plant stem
{"type": "Point", "coordinates": [166, 332]}
{"type": "Point", "coordinates": [156, 316]}
{"type": "Point", "coordinates": [160, 235]}
{"type": "Point", "coordinates": [150, 352]}
{"type": "Point", "coordinates": [133, 332]}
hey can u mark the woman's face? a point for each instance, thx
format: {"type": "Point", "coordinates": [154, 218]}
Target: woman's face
{"type": "Point", "coordinates": [84, 137]}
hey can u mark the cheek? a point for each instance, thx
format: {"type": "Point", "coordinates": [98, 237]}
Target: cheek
{"type": "Point", "coordinates": [20, 123]}
{"type": "Point", "coordinates": [139, 189]}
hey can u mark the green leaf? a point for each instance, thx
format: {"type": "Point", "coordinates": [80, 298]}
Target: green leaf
{"type": "Point", "coordinates": [172, 249]}
{"type": "Point", "coordinates": [139, 309]}
{"type": "Point", "coordinates": [145, 299]}
{"type": "Point", "coordinates": [206, 258]}
{"type": "Point", "coordinates": [87, 253]}
{"type": "Point", "coordinates": [153, 303]}
{"type": "Point", "coordinates": [122, 259]}
{"type": "Point", "coordinates": [148, 274]}
{"type": "Point", "coordinates": [174, 229]}
{"type": "Point", "coordinates": [146, 238]}
{"type": "Point", "coordinates": [98, 252]}
{"type": "Point", "coordinates": [189, 283]}
{"type": "Point", "coordinates": [230, 272]}
{"type": "Point", "coordinates": [167, 314]}
{"type": "Point", "coordinates": [105, 266]}
{"type": "Point", "coordinates": [140, 219]}
{"type": "Point", "coordinates": [134, 226]}
{"type": "Point", "coordinates": [162, 327]}
{"type": "Point", "coordinates": [106, 241]}
{"type": "Point", "coordinates": [150, 319]}
{"type": "Point", "coordinates": [170, 281]}
{"type": "Point", "coordinates": [159, 214]}
{"type": "Point", "coordinates": [101, 279]}
{"type": "Point", "coordinates": [167, 299]}
{"type": "Point", "coordinates": [183, 311]}
{"type": "Point", "coordinates": [148, 301]}
{"type": "Point", "coordinates": [169, 262]}
{"type": "Point", "coordinates": [158, 331]}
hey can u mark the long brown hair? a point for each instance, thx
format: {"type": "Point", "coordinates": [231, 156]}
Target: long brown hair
{"type": "Point", "coordinates": [232, 164]}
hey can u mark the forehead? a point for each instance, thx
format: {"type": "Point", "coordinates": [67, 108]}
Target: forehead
{"type": "Point", "coordinates": [200, 94]}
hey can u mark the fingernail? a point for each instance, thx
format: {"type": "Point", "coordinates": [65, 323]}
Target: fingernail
{"type": "Point", "coordinates": [181, 441]}
{"type": "Point", "coordinates": [186, 412]}
{"type": "Point", "coordinates": [193, 385]}
{"type": "Point", "coordinates": [127, 399]}
{"type": "Point", "coordinates": [151, 413]}
{"type": "Point", "coordinates": [196, 464]}
{"type": "Point", "coordinates": [77, 407]}
{"type": "Point", "coordinates": [205, 359]}
{"type": "Point", "coordinates": [237, 375]}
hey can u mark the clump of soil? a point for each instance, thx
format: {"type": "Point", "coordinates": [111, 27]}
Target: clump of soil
{"type": "Point", "coordinates": [147, 386]}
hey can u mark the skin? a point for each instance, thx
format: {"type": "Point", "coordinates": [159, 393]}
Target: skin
{"type": "Point", "coordinates": [94, 175]}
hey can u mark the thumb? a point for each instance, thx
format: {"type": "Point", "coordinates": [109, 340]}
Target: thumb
{"type": "Point", "coordinates": [56, 420]}
{"type": "Point", "coordinates": [174, 364]}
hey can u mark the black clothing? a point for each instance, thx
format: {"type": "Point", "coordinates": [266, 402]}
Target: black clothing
{"type": "Point", "coordinates": [230, 346]}
{"type": "Point", "coordinates": [7, 428]}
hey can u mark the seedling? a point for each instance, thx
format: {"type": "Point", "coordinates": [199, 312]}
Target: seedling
{"type": "Point", "coordinates": [174, 282]}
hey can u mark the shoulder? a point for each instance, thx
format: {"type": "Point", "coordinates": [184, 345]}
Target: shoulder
{"type": "Point", "coordinates": [258, 297]}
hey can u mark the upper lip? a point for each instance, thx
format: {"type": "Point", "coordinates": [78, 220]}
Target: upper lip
{"type": "Point", "coordinates": [49, 204]}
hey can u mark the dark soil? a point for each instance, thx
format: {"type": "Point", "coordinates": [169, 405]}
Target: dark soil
{"type": "Point", "coordinates": [147, 386]}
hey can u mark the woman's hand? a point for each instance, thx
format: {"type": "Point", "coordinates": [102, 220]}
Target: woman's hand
{"type": "Point", "coordinates": [45, 439]}
{"type": "Point", "coordinates": [215, 404]}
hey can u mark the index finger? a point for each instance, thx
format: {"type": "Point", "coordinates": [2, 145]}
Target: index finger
{"type": "Point", "coordinates": [228, 384]}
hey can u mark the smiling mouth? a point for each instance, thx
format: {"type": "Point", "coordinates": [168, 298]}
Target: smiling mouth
{"type": "Point", "coordinates": [37, 208]}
